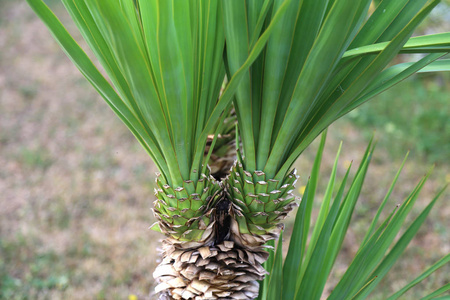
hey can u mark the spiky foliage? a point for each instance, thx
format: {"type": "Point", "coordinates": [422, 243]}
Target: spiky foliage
{"type": "Point", "coordinates": [309, 262]}
{"type": "Point", "coordinates": [313, 60]}
{"type": "Point", "coordinates": [322, 60]}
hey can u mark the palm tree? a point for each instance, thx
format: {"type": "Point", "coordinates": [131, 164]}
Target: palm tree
{"type": "Point", "coordinates": [293, 68]}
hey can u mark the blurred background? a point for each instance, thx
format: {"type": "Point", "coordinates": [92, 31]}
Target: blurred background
{"type": "Point", "coordinates": [76, 189]}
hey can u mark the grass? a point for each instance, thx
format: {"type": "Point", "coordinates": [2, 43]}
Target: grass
{"type": "Point", "coordinates": [43, 271]}
{"type": "Point", "coordinates": [34, 158]}
{"type": "Point", "coordinates": [75, 217]}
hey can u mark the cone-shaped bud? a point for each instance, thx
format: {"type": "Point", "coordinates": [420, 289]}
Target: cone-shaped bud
{"type": "Point", "coordinates": [223, 271]}
{"type": "Point", "coordinates": [185, 213]}
{"type": "Point", "coordinates": [259, 204]}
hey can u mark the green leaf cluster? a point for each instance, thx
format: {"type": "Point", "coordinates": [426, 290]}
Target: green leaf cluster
{"type": "Point", "coordinates": [323, 59]}
{"type": "Point", "coordinates": [294, 67]}
{"type": "Point", "coordinates": [307, 266]}
{"type": "Point", "coordinates": [164, 61]}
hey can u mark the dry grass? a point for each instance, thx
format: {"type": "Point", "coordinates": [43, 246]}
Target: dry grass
{"type": "Point", "coordinates": [77, 189]}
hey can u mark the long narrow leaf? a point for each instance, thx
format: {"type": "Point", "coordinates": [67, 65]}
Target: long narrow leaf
{"type": "Point", "coordinates": [399, 248]}
{"type": "Point", "coordinates": [439, 42]}
{"type": "Point", "coordinates": [276, 276]}
{"type": "Point", "coordinates": [313, 281]}
{"type": "Point", "coordinates": [438, 292]}
{"type": "Point", "coordinates": [294, 257]}
{"type": "Point", "coordinates": [383, 203]}
{"type": "Point", "coordinates": [440, 263]}
{"type": "Point", "coordinates": [361, 267]}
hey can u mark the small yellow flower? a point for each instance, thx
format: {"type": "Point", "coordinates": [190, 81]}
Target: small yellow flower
{"type": "Point", "coordinates": [301, 189]}
{"type": "Point", "coordinates": [132, 297]}
{"type": "Point", "coordinates": [447, 178]}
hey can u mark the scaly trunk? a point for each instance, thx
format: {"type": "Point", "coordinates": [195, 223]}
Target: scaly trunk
{"type": "Point", "coordinates": [224, 260]}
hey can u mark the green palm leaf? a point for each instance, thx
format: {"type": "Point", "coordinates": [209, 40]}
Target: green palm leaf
{"type": "Point", "coordinates": [323, 60]}
{"type": "Point", "coordinates": [304, 275]}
